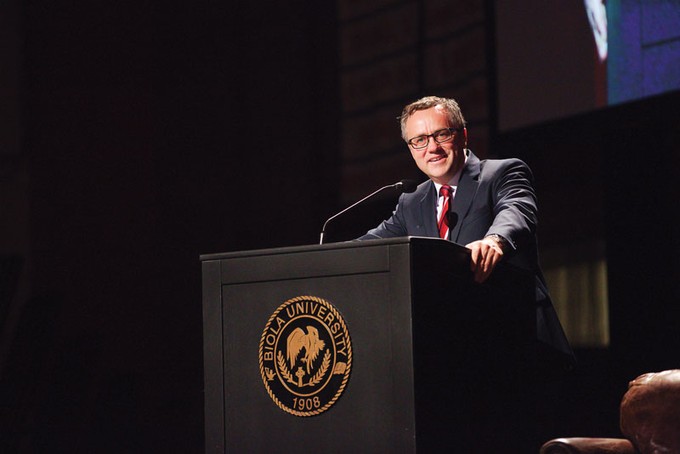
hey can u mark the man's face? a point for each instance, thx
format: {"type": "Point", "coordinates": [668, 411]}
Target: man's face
{"type": "Point", "coordinates": [439, 161]}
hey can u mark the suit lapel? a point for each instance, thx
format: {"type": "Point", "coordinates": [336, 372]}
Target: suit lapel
{"type": "Point", "coordinates": [428, 208]}
{"type": "Point", "coordinates": [467, 188]}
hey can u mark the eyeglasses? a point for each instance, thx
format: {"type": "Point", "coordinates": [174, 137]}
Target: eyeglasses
{"type": "Point", "coordinates": [440, 136]}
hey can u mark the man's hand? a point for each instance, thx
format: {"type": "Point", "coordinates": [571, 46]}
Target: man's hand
{"type": "Point", "coordinates": [486, 253]}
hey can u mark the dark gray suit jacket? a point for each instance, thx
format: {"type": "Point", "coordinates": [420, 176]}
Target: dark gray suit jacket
{"type": "Point", "coordinates": [494, 196]}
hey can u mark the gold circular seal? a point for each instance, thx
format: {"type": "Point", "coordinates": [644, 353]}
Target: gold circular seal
{"type": "Point", "coordinates": [305, 356]}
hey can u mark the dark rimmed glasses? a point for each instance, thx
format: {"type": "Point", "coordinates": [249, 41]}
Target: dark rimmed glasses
{"type": "Point", "coordinates": [439, 136]}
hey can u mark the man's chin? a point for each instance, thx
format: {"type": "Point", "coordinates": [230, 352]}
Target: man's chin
{"type": "Point", "coordinates": [439, 174]}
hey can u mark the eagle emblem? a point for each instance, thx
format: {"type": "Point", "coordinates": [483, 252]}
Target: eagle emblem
{"type": "Point", "coordinates": [297, 340]}
{"type": "Point", "coordinates": [305, 356]}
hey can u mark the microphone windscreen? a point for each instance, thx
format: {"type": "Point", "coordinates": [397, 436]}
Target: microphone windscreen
{"type": "Point", "coordinates": [407, 186]}
{"type": "Point", "coordinates": [452, 217]}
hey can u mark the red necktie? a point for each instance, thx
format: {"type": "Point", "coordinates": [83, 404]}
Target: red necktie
{"type": "Point", "coordinates": [446, 191]}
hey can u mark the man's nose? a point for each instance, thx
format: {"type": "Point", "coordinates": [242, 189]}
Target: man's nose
{"type": "Point", "coordinates": [432, 145]}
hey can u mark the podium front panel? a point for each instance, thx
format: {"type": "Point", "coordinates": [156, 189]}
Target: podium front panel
{"type": "Point", "coordinates": [370, 287]}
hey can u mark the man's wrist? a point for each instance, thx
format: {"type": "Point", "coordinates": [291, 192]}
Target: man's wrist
{"type": "Point", "coordinates": [499, 240]}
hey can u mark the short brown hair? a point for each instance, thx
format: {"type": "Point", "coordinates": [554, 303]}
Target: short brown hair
{"type": "Point", "coordinates": [450, 106]}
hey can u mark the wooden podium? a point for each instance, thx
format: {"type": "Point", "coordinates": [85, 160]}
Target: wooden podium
{"type": "Point", "coordinates": [436, 360]}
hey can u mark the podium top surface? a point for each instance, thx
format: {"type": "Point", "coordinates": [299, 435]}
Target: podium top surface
{"type": "Point", "coordinates": [415, 240]}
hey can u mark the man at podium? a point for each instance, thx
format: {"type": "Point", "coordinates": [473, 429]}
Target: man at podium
{"type": "Point", "coordinates": [487, 205]}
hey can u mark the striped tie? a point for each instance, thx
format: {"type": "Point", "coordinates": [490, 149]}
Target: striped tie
{"type": "Point", "coordinates": [446, 191]}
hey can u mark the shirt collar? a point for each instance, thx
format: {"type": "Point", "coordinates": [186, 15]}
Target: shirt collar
{"type": "Point", "coordinates": [453, 182]}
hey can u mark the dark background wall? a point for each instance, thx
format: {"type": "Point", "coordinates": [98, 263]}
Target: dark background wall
{"type": "Point", "coordinates": [153, 132]}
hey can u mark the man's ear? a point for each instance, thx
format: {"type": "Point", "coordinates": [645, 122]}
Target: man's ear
{"type": "Point", "coordinates": [465, 137]}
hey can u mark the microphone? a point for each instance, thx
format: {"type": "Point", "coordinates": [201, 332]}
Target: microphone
{"type": "Point", "coordinates": [452, 218]}
{"type": "Point", "coordinates": [406, 186]}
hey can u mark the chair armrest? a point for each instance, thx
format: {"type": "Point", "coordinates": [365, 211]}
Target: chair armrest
{"type": "Point", "coordinates": [588, 446]}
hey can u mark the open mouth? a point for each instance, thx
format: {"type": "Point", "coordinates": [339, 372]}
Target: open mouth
{"type": "Point", "coordinates": [437, 158]}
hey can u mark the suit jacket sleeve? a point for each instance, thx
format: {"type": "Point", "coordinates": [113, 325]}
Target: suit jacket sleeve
{"type": "Point", "coordinates": [513, 203]}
